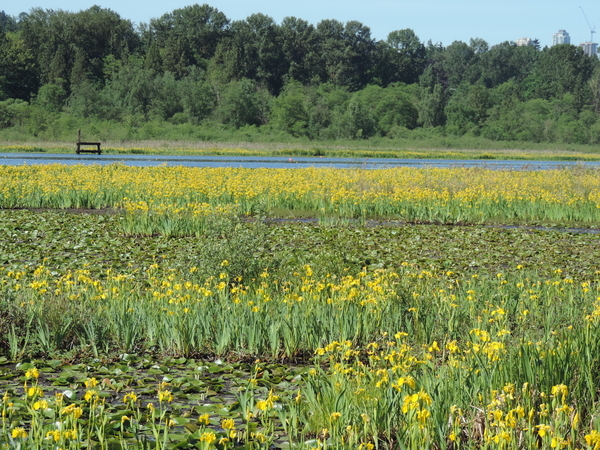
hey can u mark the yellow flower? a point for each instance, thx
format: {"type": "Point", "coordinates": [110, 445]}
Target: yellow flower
{"type": "Point", "coordinates": [91, 383]}
{"type": "Point", "coordinates": [434, 347]}
{"type": "Point", "coordinates": [575, 423]}
{"type": "Point", "coordinates": [335, 416]}
{"type": "Point", "coordinates": [227, 424]}
{"type": "Point", "coordinates": [70, 434]}
{"type": "Point", "coordinates": [262, 405]}
{"type": "Point", "coordinates": [165, 396]}
{"type": "Point", "coordinates": [422, 416]}
{"type": "Point", "coordinates": [32, 373]}
{"type": "Point", "coordinates": [54, 435]}
{"type": "Point", "coordinates": [209, 437]}
{"type": "Point", "coordinates": [90, 395]}
{"type": "Point", "coordinates": [130, 397]}
{"type": "Point", "coordinates": [72, 410]}
{"type": "Point", "coordinates": [543, 430]}
{"type": "Point", "coordinates": [35, 391]}
{"type": "Point", "coordinates": [560, 390]}
{"type": "Point", "coordinates": [593, 439]}
{"type": "Point", "coordinates": [19, 432]}
{"type": "Point", "coordinates": [259, 437]}
{"type": "Point", "coordinates": [204, 419]}
{"type": "Point", "coordinates": [40, 404]}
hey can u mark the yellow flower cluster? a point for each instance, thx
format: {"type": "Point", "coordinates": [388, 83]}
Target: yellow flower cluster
{"type": "Point", "coordinates": [407, 193]}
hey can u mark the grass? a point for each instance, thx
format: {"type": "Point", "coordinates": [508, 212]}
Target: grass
{"type": "Point", "coordinates": [447, 148]}
{"type": "Point", "coordinates": [138, 327]}
{"type": "Point", "coordinates": [175, 200]}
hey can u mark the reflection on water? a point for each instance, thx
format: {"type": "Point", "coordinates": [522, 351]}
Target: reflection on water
{"type": "Point", "coordinates": [277, 162]}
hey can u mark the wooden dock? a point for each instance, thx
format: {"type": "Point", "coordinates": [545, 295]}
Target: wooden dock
{"type": "Point", "coordinates": [81, 144]}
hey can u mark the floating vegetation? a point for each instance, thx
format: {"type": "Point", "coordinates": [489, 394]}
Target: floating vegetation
{"type": "Point", "coordinates": [172, 322]}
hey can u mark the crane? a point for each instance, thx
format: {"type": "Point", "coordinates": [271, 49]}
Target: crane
{"type": "Point", "coordinates": [592, 30]}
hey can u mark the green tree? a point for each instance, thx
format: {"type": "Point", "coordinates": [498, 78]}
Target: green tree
{"type": "Point", "coordinates": [299, 44]}
{"type": "Point", "coordinates": [290, 112]}
{"type": "Point", "coordinates": [51, 97]}
{"type": "Point", "coordinates": [131, 91]}
{"type": "Point", "coordinates": [460, 64]}
{"type": "Point", "coordinates": [561, 69]}
{"type": "Point", "coordinates": [8, 22]}
{"type": "Point", "coordinates": [390, 107]}
{"type": "Point", "coordinates": [87, 100]}
{"type": "Point", "coordinates": [325, 102]}
{"type": "Point", "coordinates": [479, 46]}
{"type": "Point", "coordinates": [13, 113]}
{"type": "Point", "coordinates": [432, 99]}
{"type": "Point", "coordinates": [252, 51]}
{"type": "Point", "coordinates": [263, 58]}
{"type": "Point", "coordinates": [184, 37]}
{"type": "Point", "coordinates": [18, 72]}
{"type": "Point", "coordinates": [507, 61]}
{"type": "Point", "coordinates": [197, 95]}
{"type": "Point", "coordinates": [594, 85]}
{"type": "Point", "coordinates": [242, 103]}
{"type": "Point", "coordinates": [167, 99]}
{"type": "Point", "coordinates": [406, 56]}
{"type": "Point", "coordinates": [348, 53]}
{"type": "Point", "coordinates": [58, 40]}
{"type": "Point", "coordinates": [467, 109]}
{"type": "Point", "coordinates": [528, 121]}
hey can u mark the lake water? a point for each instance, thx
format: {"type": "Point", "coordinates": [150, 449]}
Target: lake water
{"type": "Point", "coordinates": [276, 162]}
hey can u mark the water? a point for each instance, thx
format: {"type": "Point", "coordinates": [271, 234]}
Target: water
{"type": "Point", "coordinates": [16, 159]}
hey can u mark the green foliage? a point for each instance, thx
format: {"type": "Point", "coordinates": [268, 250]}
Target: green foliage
{"type": "Point", "coordinates": [561, 69]}
{"type": "Point", "coordinates": [407, 56]}
{"type": "Point", "coordinates": [467, 109]}
{"type": "Point", "coordinates": [390, 107]}
{"type": "Point", "coordinates": [65, 44]}
{"type": "Point", "coordinates": [14, 113]}
{"type": "Point", "coordinates": [243, 103]}
{"type": "Point", "coordinates": [18, 75]}
{"type": "Point", "coordinates": [460, 64]}
{"type": "Point", "coordinates": [195, 69]}
{"type": "Point", "coordinates": [51, 97]}
{"type": "Point", "coordinates": [230, 245]}
{"type": "Point", "coordinates": [185, 37]}
{"type": "Point", "coordinates": [290, 110]}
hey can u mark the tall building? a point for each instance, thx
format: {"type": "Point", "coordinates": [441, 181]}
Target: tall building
{"type": "Point", "coordinates": [523, 42]}
{"type": "Point", "coordinates": [589, 48]}
{"type": "Point", "coordinates": [562, 37]}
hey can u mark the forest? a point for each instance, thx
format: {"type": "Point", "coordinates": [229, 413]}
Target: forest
{"type": "Point", "coordinates": [195, 74]}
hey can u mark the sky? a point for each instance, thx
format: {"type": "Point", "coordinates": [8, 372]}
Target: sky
{"type": "Point", "coordinates": [441, 21]}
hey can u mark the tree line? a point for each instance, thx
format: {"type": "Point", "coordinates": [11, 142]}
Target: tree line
{"type": "Point", "coordinates": [194, 67]}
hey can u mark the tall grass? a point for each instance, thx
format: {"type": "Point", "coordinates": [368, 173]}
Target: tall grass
{"type": "Point", "coordinates": [409, 358]}
{"type": "Point", "coordinates": [171, 200]}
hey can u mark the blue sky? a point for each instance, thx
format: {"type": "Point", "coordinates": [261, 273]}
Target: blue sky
{"type": "Point", "coordinates": [439, 20]}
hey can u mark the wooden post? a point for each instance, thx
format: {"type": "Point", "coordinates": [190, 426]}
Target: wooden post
{"type": "Point", "coordinates": [78, 135]}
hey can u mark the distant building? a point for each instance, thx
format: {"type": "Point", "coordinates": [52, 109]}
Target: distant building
{"type": "Point", "coordinates": [562, 37]}
{"type": "Point", "coordinates": [589, 48]}
{"type": "Point", "coordinates": [524, 42]}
